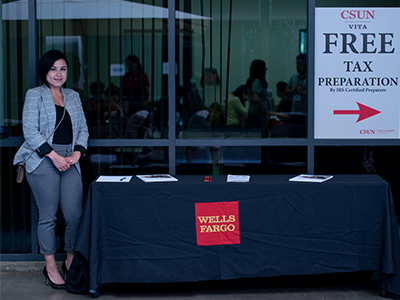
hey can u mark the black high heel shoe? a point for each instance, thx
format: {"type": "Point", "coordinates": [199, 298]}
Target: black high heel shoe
{"type": "Point", "coordinates": [53, 285]}
{"type": "Point", "coordinates": [65, 270]}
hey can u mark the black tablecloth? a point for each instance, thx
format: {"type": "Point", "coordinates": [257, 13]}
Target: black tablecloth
{"type": "Point", "coordinates": [146, 232]}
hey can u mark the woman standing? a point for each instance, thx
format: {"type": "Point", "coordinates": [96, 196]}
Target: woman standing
{"type": "Point", "coordinates": [257, 89]}
{"type": "Point", "coordinates": [135, 83]}
{"type": "Point", "coordinates": [56, 135]}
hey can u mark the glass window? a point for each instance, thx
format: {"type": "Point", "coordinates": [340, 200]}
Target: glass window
{"type": "Point", "coordinates": [212, 160]}
{"type": "Point", "coordinates": [123, 161]}
{"type": "Point", "coordinates": [15, 81]}
{"type": "Point", "coordinates": [116, 52]}
{"type": "Point", "coordinates": [242, 69]}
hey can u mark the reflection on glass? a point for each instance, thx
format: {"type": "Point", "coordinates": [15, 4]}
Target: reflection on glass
{"type": "Point", "coordinates": [241, 160]}
{"type": "Point", "coordinates": [231, 58]}
{"type": "Point", "coordinates": [291, 114]}
{"type": "Point", "coordinates": [117, 53]}
{"type": "Point", "coordinates": [124, 161]}
{"type": "Point", "coordinates": [15, 75]}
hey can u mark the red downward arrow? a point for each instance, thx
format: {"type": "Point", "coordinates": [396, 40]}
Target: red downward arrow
{"type": "Point", "coordinates": [364, 112]}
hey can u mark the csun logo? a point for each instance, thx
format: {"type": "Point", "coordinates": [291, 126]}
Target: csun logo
{"type": "Point", "coordinates": [367, 131]}
{"type": "Point", "coordinates": [358, 14]}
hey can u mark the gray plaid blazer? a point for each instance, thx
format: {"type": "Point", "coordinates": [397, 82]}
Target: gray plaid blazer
{"type": "Point", "coordinates": [39, 120]}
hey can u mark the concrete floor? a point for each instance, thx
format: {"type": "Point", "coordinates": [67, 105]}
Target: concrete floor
{"type": "Point", "coordinates": [24, 280]}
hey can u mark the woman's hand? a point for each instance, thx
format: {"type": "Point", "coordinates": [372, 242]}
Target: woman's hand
{"type": "Point", "coordinates": [259, 103]}
{"type": "Point", "coordinates": [299, 90]}
{"type": "Point", "coordinates": [59, 161]}
{"type": "Point", "coordinates": [73, 159]}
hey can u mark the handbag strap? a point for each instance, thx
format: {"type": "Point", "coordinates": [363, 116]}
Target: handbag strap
{"type": "Point", "coordinates": [54, 130]}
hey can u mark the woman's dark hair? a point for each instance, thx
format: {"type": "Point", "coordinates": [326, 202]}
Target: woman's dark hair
{"type": "Point", "coordinates": [215, 107]}
{"type": "Point", "coordinates": [133, 58]}
{"type": "Point", "coordinates": [258, 69]}
{"type": "Point", "coordinates": [96, 85]}
{"type": "Point", "coordinates": [212, 71]}
{"type": "Point", "coordinates": [112, 90]}
{"type": "Point", "coordinates": [281, 86]}
{"type": "Point", "coordinates": [302, 57]}
{"type": "Point", "coordinates": [240, 92]}
{"type": "Point", "coordinates": [46, 63]}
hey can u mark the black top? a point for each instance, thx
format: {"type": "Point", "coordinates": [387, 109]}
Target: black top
{"type": "Point", "coordinates": [63, 134]}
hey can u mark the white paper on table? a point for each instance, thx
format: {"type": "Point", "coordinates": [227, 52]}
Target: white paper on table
{"type": "Point", "coordinates": [104, 178]}
{"type": "Point", "coordinates": [156, 178]}
{"type": "Point", "coordinates": [311, 178]}
{"type": "Point", "coordinates": [238, 178]}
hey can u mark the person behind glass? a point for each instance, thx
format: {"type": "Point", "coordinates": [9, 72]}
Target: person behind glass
{"type": "Point", "coordinates": [105, 108]}
{"type": "Point", "coordinates": [210, 77]}
{"type": "Point", "coordinates": [257, 89]}
{"type": "Point", "coordinates": [238, 106]}
{"type": "Point", "coordinates": [297, 85]}
{"type": "Point", "coordinates": [135, 84]}
{"type": "Point", "coordinates": [97, 102]}
{"type": "Point", "coordinates": [74, 77]}
{"type": "Point", "coordinates": [113, 95]}
{"type": "Point", "coordinates": [210, 118]}
{"type": "Point", "coordinates": [53, 170]}
{"type": "Point", "coordinates": [285, 105]}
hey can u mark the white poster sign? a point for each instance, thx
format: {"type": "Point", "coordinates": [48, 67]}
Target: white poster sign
{"type": "Point", "coordinates": [357, 70]}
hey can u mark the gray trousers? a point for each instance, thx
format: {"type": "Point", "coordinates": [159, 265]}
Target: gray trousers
{"type": "Point", "coordinates": [51, 188]}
